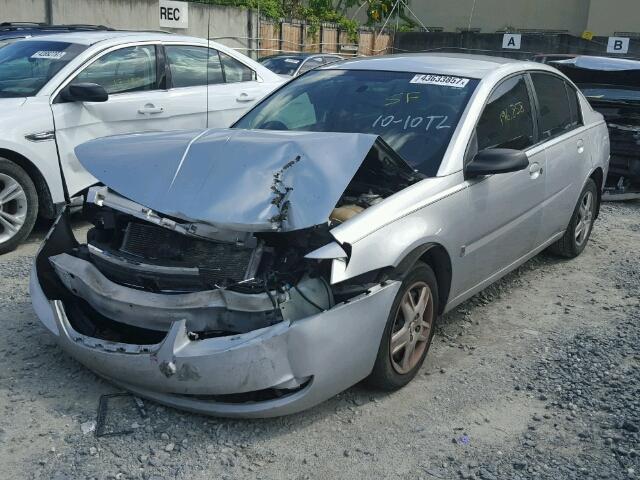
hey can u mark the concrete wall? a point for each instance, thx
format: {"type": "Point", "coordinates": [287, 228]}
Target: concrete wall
{"type": "Point", "coordinates": [609, 16]}
{"type": "Point", "coordinates": [604, 17]}
{"type": "Point", "coordinates": [493, 15]}
{"type": "Point", "coordinates": [139, 15]}
{"type": "Point", "coordinates": [22, 10]}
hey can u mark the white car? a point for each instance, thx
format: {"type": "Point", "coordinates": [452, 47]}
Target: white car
{"type": "Point", "coordinates": [58, 91]}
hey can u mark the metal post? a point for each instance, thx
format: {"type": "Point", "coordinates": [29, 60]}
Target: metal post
{"type": "Point", "coordinates": [48, 11]}
{"type": "Point", "coordinates": [249, 32]}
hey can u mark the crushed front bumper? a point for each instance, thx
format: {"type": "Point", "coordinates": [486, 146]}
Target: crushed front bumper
{"type": "Point", "coordinates": [313, 358]}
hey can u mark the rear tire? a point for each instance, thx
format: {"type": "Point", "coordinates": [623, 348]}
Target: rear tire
{"type": "Point", "coordinates": [18, 205]}
{"type": "Point", "coordinates": [578, 232]}
{"type": "Point", "coordinates": [409, 330]}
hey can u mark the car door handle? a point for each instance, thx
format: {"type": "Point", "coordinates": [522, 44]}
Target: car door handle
{"type": "Point", "coordinates": [150, 109]}
{"type": "Point", "coordinates": [580, 146]}
{"type": "Point", "coordinates": [535, 170]}
{"type": "Point", "coordinates": [245, 97]}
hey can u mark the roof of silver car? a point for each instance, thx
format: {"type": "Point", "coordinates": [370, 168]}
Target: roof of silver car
{"type": "Point", "coordinates": [458, 64]}
{"type": "Point", "coordinates": [91, 38]}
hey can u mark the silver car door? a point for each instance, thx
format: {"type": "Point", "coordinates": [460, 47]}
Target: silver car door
{"type": "Point", "coordinates": [568, 161]}
{"type": "Point", "coordinates": [504, 211]}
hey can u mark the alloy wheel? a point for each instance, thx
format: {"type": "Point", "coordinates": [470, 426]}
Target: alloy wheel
{"type": "Point", "coordinates": [412, 328]}
{"type": "Point", "coordinates": [585, 216]}
{"type": "Point", "coordinates": [13, 207]}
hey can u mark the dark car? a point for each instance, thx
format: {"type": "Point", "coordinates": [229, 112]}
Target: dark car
{"type": "Point", "coordinates": [13, 31]}
{"type": "Point", "coordinates": [612, 86]}
{"type": "Point", "coordinates": [291, 65]}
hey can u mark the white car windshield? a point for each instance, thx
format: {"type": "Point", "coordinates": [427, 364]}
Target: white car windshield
{"type": "Point", "coordinates": [26, 66]}
{"type": "Point", "coordinates": [415, 114]}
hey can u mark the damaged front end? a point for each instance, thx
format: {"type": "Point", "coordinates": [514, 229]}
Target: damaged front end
{"type": "Point", "coordinates": [231, 316]}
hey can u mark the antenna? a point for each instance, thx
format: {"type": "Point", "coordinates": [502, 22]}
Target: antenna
{"type": "Point", "coordinates": [207, 65]}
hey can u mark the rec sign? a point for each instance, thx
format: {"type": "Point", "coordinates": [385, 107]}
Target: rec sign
{"type": "Point", "coordinates": [174, 14]}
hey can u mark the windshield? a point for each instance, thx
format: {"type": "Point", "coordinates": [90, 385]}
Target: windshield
{"type": "Point", "coordinates": [611, 93]}
{"type": "Point", "coordinates": [415, 114]}
{"type": "Point", "coordinates": [282, 65]}
{"type": "Point", "coordinates": [25, 67]}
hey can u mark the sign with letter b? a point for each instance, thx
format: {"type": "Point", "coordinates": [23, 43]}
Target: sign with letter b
{"type": "Point", "coordinates": [618, 45]}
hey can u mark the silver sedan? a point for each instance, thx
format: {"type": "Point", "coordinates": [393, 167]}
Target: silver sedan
{"type": "Point", "coordinates": [259, 270]}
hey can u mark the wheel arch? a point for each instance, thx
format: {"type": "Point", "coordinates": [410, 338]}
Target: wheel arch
{"type": "Point", "coordinates": [598, 176]}
{"type": "Point", "coordinates": [46, 206]}
{"type": "Point", "coordinates": [437, 257]}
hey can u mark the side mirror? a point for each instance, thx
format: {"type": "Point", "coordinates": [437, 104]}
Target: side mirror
{"type": "Point", "coordinates": [496, 160]}
{"type": "Point", "coordinates": [85, 92]}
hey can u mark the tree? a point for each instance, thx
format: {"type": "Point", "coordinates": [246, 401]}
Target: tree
{"type": "Point", "coordinates": [379, 11]}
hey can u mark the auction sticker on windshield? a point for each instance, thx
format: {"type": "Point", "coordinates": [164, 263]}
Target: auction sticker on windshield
{"type": "Point", "coordinates": [49, 54]}
{"type": "Point", "coordinates": [444, 80]}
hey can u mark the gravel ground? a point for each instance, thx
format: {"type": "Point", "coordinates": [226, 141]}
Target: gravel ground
{"type": "Point", "coordinates": [537, 377]}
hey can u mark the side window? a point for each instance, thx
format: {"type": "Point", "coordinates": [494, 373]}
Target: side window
{"type": "Point", "coordinates": [235, 71]}
{"type": "Point", "coordinates": [129, 69]}
{"type": "Point", "coordinates": [187, 65]}
{"type": "Point", "coordinates": [507, 119]}
{"type": "Point", "coordinates": [310, 64]}
{"type": "Point", "coordinates": [553, 101]}
{"type": "Point", "coordinates": [574, 106]}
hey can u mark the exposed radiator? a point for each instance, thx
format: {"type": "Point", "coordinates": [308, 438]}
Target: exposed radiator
{"type": "Point", "coordinates": [218, 263]}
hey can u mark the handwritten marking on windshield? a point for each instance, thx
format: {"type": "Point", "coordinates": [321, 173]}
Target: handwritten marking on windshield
{"type": "Point", "coordinates": [402, 97]}
{"type": "Point", "coordinates": [437, 122]}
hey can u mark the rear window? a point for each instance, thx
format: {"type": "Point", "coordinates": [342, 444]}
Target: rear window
{"type": "Point", "coordinates": [282, 65]}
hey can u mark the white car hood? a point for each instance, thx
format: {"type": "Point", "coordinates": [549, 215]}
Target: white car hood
{"type": "Point", "coordinates": [246, 180]}
{"type": "Point", "coordinates": [7, 104]}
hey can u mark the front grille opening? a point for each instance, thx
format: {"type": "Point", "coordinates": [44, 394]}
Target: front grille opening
{"type": "Point", "coordinates": [87, 321]}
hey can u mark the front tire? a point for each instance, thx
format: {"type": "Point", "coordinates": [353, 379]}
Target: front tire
{"type": "Point", "coordinates": [577, 235]}
{"type": "Point", "coordinates": [409, 330]}
{"type": "Point", "coordinates": [18, 205]}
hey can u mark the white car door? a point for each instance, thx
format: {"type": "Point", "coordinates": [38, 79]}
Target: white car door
{"type": "Point", "coordinates": [133, 78]}
{"type": "Point", "coordinates": [231, 86]}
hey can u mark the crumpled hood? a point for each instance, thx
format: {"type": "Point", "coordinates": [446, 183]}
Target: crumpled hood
{"type": "Point", "coordinates": [248, 180]}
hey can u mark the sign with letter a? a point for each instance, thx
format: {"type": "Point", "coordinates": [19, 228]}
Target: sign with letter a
{"type": "Point", "coordinates": [618, 45]}
{"type": "Point", "coordinates": [174, 14]}
{"type": "Point", "coordinates": [512, 41]}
